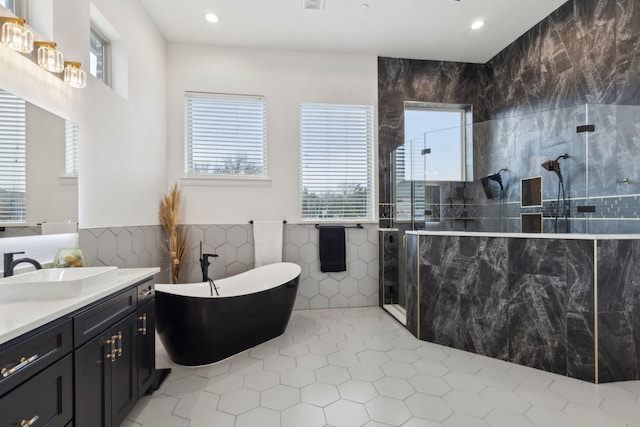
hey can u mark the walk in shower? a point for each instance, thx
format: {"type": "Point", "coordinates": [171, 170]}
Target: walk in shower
{"type": "Point", "coordinates": [569, 170]}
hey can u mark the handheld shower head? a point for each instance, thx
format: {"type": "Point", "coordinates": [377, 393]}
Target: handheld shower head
{"type": "Point", "coordinates": [554, 165]}
{"type": "Point", "coordinates": [551, 166]}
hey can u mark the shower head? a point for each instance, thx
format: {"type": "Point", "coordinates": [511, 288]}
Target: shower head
{"type": "Point", "coordinates": [554, 165]}
{"type": "Point", "coordinates": [551, 166]}
{"type": "Point", "coordinates": [496, 177]}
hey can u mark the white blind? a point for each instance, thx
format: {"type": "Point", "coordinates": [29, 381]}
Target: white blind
{"type": "Point", "coordinates": [12, 158]}
{"type": "Point", "coordinates": [337, 162]}
{"type": "Point", "coordinates": [72, 142]}
{"type": "Point", "coordinates": [225, 134]}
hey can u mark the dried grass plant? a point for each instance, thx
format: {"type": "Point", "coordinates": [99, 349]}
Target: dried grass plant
{"type": "Point", "coordinates": [177, 243]}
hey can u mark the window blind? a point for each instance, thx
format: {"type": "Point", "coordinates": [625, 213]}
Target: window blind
{"type": "Point", "coordinates": [12, 157]}
{"type": "Point", "coordinates": [225, 134]}
{"type": "Point", "coordinates": [337, 162]}
{"type": "Point", "coordinates": [71, 149]}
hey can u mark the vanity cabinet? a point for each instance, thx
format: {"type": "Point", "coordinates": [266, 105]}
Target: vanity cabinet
{"type": "Point", "coordinates": [36, 378]}
{"type": "Point", "coordinates": [146, 341]}
{"type": "Point", "coordinates": [87, 367]}
{"type": "Point", "coordinates": [115, 367]}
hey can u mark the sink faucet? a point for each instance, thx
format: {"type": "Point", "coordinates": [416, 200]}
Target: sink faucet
{"type": "Point", "coordinates": [10, 263]}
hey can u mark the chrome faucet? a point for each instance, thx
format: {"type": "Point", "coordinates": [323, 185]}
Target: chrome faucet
{"type": "Point", "coordinates": [10, 263]}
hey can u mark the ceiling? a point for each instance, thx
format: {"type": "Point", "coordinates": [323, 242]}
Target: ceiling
{"type": "Point", "coordinates": [415, 29]}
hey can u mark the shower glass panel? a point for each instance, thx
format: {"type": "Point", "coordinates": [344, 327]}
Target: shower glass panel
{"type": "Point", "coordinates": [586, 157]}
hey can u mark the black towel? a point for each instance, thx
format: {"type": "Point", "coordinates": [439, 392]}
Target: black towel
{"type": "Point", "coordinates": [332, 249]}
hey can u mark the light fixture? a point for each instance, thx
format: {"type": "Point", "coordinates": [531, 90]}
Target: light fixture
{"type": "Point", "coordinates": [16, 36]}
{"type": "Point", "coordinates": [49, 58]}
{"type": "Point", "coordinates": [211, 17]}
{"type": "Point", "coordinates": [74, 75]}
{"type": "Point", "coordinates": [476, 25]}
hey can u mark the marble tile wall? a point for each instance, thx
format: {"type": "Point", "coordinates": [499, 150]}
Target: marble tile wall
{"type": "Point", "coordinates": [528, 301]}
{"type": "Point", "coordinates": [618, 310]}
{"type": "Point", "coordinates": [139, 247]}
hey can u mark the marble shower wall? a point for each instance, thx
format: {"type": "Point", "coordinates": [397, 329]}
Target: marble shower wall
{"type": "Point", "coordinates": [139, 247]}
{"type": "Point", "coordinates": [531, 301]}
{"type": "Point", "coordinates": [527, 102]}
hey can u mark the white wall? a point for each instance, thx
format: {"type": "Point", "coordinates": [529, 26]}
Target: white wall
{"type": "Point", "coordinates": [286, 79]}
{"type": "Point", "coordinates": [122, 139]}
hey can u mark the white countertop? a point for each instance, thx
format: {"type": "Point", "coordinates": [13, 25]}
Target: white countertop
{"type": "Point", "coordinates": [562, 236]}
{"type": "Point", "coordinates": [19, 317]}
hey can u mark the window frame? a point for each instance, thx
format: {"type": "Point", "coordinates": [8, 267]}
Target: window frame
{"type": "Point", "coordinates": [367, 113]}
{"type": "Point", "coordinates": [192, 177]}
{"type": "Point", "coordinates": [106, 54]}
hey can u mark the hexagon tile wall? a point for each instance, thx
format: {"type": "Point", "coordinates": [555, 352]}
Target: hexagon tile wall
{"type": "Point", "coordinates": [139, 247]}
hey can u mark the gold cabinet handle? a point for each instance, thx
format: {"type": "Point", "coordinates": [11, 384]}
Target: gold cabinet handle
{"type": "Point", "coordinates": [112, 354]}
{"type": "Point", "coordinates": [119, 347]}
{"type": "Point", "coordinates": [146, 292]}
{"type": "Point", "coordinates": [143, 329]}
{"type": "Point", "coordinates": [24, 361]}
{"type": "Point", "coordinates": [31, 422]}
{"type": "Point", "coordinates": [404, 241]}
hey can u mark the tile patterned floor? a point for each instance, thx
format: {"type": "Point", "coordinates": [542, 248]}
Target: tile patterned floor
{"type": "Point", "coordinates": [359, 367]}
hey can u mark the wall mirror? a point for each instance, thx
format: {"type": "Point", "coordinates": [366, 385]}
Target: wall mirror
{"type": "Point", "coordinates": [438, 140]}
{"type": "Point", "coordinates": [37, 182]}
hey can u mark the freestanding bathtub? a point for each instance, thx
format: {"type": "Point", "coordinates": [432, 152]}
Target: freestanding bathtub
{"type": "Point", "coordinates": [198, 327]}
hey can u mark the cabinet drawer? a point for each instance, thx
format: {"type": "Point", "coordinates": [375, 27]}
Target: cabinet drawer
{"type": "Point", "coordinates": [100, 317]}
{"type": "Point", "coordinates": [47, 398]}
{"type": "Point", "coordinates": [32, 354]}
{"type": "Point", "coordinates": [146, 292]}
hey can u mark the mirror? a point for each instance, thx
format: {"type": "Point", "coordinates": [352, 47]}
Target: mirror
{"type": "Point", "coordinates": [34, 185]}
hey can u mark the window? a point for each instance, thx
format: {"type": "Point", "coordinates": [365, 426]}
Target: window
{"type": "Point", "coordinates": [225, 135]}
{"type": "Point", "coordinates": [337, 162]}
{"type": "Point", "coordinates": [100, 56]}
{"type": "Point", "coordinates": [17, 7]}
{"type": "Point", "coordinates": [71, 149]}
{"type": "Point", "coordinates": [438, 142]}
{"type": "Point", "coordinates": [12, 158]}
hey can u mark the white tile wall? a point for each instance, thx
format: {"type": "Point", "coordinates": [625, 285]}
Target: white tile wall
{"type": "Point", "coordinates": [140, 247]}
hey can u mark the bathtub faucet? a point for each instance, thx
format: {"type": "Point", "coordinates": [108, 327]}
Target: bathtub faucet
{"type": "Point", "coordinates": [204, 265]}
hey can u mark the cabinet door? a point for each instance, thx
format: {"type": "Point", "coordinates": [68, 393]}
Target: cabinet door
{"type": "Point", "coordinates": [106, 377]}
{"type": "Point", "coordinates": [146, 317]}
{"type": "Point", "coordinates": [93, 381]}
{"type": "Point", "coordinates": [124, 378]}
{"type": "Point", "coordinates": [44, 400]}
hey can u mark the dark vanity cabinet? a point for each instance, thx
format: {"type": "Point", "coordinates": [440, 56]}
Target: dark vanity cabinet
{"type": "Point", "coordinates": [87, 369]}
{"type": "Point", "coordinates": [146, 338]}
{"type": "Point", "coordinates": [116, 366]}
{"type": "Point", "coordinates": [36, 378]}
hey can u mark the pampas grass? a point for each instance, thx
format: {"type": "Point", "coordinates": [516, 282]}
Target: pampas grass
{"type": "Point", "coordinates": [177, 243]}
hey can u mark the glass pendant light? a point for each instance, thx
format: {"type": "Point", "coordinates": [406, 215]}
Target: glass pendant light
{"type": "Point", "coordinates": [16, 36]}
{"type": "Point", "coordinates": [74, 75]}
{"type": "Point", "coordinates": [49, 58]}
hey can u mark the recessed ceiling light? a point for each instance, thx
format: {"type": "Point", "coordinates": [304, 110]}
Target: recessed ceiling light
{"type": "Point", "coordinates": [476, 25]}
{"type": "Point", "coordinates": [364, 5]}
{"type": "Point", "coordinates": [211, 17]}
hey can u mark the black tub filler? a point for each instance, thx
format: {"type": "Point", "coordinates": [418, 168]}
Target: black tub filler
{"type": "Point", "coordinates": [197, 326]}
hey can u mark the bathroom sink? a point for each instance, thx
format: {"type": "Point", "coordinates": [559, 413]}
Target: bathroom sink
{"type": "Point", "coordinates": [51, 283]}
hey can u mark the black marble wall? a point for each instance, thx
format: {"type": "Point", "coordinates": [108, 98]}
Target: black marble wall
{"type": "Point", "coordinates": [527, 102]}
{"type": "Point", "coordinates": [528, 301]}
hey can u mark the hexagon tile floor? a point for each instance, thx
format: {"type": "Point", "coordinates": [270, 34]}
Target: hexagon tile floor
{"type": "Point", "coordinates": [358, 367]}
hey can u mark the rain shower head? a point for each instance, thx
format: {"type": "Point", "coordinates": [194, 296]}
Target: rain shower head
{"type": "Point", "coordinates": [496, 177]}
